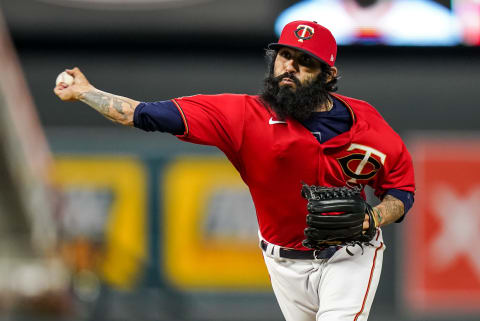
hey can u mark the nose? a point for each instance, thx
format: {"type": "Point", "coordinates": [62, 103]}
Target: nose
{"type": "Point", "coordinates": [291, 66]}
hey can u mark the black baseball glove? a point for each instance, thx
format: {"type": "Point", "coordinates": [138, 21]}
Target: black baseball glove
{"type": "Point", "coordinates": [335, 217]}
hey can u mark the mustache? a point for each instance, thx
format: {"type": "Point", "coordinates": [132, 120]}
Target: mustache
{"type": "Point", "coordinates": [289, 76]}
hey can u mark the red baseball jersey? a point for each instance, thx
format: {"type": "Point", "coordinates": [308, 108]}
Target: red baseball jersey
{"type": "Point", "coordinates": [274, 157]}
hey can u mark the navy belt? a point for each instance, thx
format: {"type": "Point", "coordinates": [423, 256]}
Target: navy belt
{"type": "Point", "coordinates": [302, 255]}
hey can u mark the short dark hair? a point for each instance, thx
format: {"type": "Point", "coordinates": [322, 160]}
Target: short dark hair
{"type": "Point", "coordinates": [327, 71]}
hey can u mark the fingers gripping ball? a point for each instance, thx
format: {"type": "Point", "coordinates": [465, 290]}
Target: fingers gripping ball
{"type": "Point", "coordinates": [65, 78]}
{"type": "Point", "coordinates": [335, 216]}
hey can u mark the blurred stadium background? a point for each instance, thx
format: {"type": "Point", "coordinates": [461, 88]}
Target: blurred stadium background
{"type": "Point", "coordinates": [100, 222]}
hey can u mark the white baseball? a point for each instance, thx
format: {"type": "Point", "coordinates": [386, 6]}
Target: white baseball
{"type": "Point", "coordinates": [65, 78]}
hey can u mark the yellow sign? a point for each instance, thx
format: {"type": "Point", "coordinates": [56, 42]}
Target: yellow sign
{"type": "Point", "coordinates": [210, 227]}
{"type": "Point", "coordinates": [123, 180]}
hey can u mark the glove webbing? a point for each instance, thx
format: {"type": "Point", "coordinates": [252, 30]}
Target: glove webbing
{"type": "Point", "coordinates": [322, 193]}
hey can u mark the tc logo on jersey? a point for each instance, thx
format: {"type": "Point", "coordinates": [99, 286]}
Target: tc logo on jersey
{"type": "Point", "coordinates": [361, 165]}
{"type": "Point", "coordinates": [304, 32]}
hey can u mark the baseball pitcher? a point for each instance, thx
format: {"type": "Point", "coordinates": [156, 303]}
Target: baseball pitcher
{"type": "Point", "coordinates": [306, 154]}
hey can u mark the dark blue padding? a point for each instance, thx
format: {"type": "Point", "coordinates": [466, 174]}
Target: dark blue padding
{"type": "Point", "coordinates": [160, 116]}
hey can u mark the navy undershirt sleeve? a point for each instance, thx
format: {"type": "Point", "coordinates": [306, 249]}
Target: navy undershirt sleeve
{"type": "Point", "coordinates": [160, 116]}
{"type": "Point", "coordinates": [406, 197]}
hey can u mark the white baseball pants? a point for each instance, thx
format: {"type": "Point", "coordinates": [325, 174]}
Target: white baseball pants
{"type": "Point", "coordinates": [341, 288]}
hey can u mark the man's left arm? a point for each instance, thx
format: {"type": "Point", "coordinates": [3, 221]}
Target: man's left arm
{"type": "Point", "coordinates": [395, 187]}
{"type": "Point", "coordinates": [390, 210]}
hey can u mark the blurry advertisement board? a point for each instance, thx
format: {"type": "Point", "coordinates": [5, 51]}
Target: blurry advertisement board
{"type": "Point", "coordinates": [103, 216]}
{"type": "Point", "coordinates": [210, 227]}
{"type": "Point", "coordinates": [442, 234]}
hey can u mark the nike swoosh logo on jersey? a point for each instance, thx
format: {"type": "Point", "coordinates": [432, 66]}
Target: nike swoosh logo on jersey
{"type": "Point", "coordinates": [273, 122]}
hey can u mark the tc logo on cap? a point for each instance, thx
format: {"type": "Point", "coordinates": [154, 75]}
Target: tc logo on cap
{"type": "Point", "coordinates": [304, 32]}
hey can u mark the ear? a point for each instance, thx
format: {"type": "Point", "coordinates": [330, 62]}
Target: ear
{"type": "Point", "coordinates": [334, 73]}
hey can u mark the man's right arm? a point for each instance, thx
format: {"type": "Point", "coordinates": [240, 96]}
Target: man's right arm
{"type": "Point", "coordinates": [116, 108]}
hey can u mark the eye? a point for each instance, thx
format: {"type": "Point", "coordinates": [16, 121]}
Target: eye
{"type": "Point", "coordinates": [285, 54]}
{"type": "Point", "coordinates": [306, 60]}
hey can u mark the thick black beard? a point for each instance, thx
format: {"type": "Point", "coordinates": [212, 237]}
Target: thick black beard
{"type": "Point", "coordinates": [297, 103]}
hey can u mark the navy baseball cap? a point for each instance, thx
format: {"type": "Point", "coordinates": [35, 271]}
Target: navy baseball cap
{"type": "Point", "coordinates": [310, 38]}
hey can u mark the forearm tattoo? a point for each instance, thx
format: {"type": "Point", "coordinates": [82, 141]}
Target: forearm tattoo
{"type": "Point", "coordinates": [115, 108]}
{"type": "Point", "coordinates": [389, 210]}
